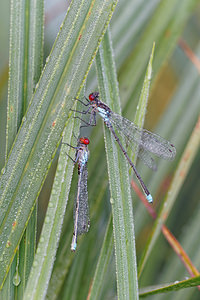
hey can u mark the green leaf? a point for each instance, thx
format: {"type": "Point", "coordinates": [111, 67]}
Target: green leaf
{"type": "Point", "coordinates": [26, 54]}
{"type": "Point", "coordinates": [103, 263]}
{"type": "Point", "coordinates": [190, 242]}
{"type": "Point", "coordinates": [176, 125]}
{"type": "Point", "coordinates": [48, 243]}
{"type": "Point", "coordinates": [123, 226]}
{"type": "Point", "coordinates": [143, 100]}
{"type": "Point", "coordinates": [40, 133]}
{"type": "Point", "coordinates": [66, 261]}
{"type": "Point", "coordinates": [25, 62]}
{"type": "Point", "coordinates": [178, 180]}
{"type": "Point", "coordinates": [171, 287]}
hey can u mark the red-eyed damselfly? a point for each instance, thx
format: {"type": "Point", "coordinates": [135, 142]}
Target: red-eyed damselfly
{"type": "Point", "coordinates": [81, 209]}
{"type": "Point", "coordinates": [146, 140]}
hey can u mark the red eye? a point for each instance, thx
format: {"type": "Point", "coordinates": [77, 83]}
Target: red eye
{"type": "Point", "coordinates": [84, 141]}
{"type": "Point", "coordinates": [91, 97]}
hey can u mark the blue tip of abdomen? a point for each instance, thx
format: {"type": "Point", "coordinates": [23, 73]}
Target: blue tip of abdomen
{"type": "Point", "coordinates": [149, 198]}
{"type": "Point", "coordinates": [73, 247]}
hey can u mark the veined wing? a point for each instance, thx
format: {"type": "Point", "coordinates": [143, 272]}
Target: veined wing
{"type": "Point", "coordinates": [81, 209]}
{"type": "Point", "coordinates": [145, 156]}
{"type": "Point", "coordinates": [145, 139]}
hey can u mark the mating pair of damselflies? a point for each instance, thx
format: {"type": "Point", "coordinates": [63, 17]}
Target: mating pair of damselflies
{"type": "Point", "coordinates": [146, 141]}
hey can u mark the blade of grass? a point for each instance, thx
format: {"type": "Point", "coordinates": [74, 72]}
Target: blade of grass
{"type": "Point", "coordinates": [61, 268]}
{"type": "Point", "coordinates": [121, 203]}
{"type": "Point", "coordinates": [33, 61]}
{"type": "Point", "coordinates": [180, 251]}
{"type": "Point", "coordinates": [143, 100]}
{"type": "Point", "coordinates": [71, 289]}
{"type": "Point", "coordinates": [176, 125]}
{"type": "Point", "coordinates": [44, 259]}
{"type": "Point", "coordinates": [178, 180]}
{"type": "Point", "coordinates": [171, 287]}
{"type": "Point", "coordinates": [25, 63]}
{"type": "Point", "coordinates": [3, 109]}
{"type": "Point", "coordinates": [103, 263]}
{"type": "Point", "coordinates": [189, 238]}
{"type": "Point", "coordinates": [168, 235]}
{"type": "Point", "coordinates": [14, 104]}
{"type": "Point", "coordinates": [39, 135]}
{"type": "Point", "coordinates": [64, 257]}
{"type": "Point", "coordinates": [15, 83]}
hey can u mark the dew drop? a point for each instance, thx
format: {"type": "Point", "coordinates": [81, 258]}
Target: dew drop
{"type": "Point", "coordinates": [3, 170]}
{"type": "Point", "coordinates": [111, 200]}
{"type": "Point", "coordinates": [186, 278]}
{"type": "Point", "coordinates": [16, 278]}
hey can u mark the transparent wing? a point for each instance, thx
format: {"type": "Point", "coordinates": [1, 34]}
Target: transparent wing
{"type": "Point", "coordinates": [145, 139]}
{"type": "Point", "coordinates": [81, 209]}
{"type": "Point", "coordinates": [147, 159]}
{"type": "Point", "coordinates": [144, 155]}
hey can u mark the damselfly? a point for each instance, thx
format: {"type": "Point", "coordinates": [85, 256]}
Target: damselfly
{"type": "Point", "coordinates": [146, 140]}
{"type": "Point", "coordinates": [81, 210]}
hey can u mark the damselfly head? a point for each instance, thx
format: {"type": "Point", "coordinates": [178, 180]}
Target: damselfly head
{"type": "Point", "coordinates": [84, 141]}
{"type": "Point", "coordinates": [93, 96]}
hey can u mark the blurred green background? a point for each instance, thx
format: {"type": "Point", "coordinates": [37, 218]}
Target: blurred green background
{"type": "Point", "coordinates": [173, 109]}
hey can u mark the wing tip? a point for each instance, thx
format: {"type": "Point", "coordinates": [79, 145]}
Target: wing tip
{"type": "Point", "coordinates": [172, 152]}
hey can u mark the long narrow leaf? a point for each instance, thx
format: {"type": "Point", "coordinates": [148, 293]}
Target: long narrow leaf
{"type": "Point", "coordinates": [15, 107]}
{"type": "Point", "coordinates": [25, 63]}
{"type": "Point", "coordinates": [172, 287]}
{"type": "Point", "coordinates": [176, 125]}
{"type": "Point", "coordinates": [103, 263]}
{"type": "Point", "coordinates": [143, 100]}
{"type": "Point", "coordinates": [40, 133]}
{"type": "Point", "coordinates": [123, 225]}
{"type": "Point", "coordinates": [178, 180]}
{"type": "Point", "coordinates": [46, 250]}
{"type": "Point", "coordinates": [33, 61]}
